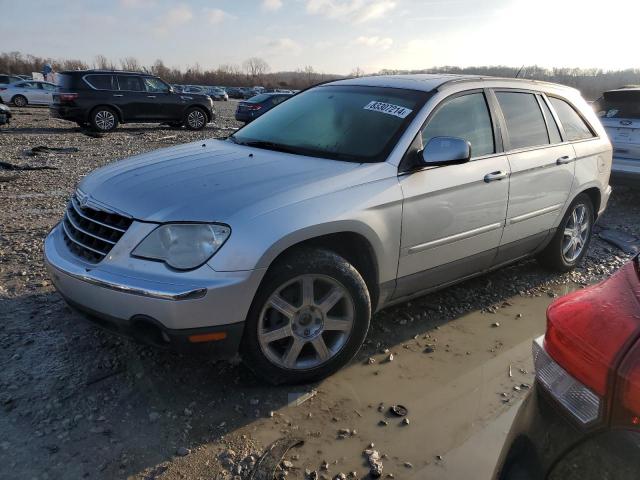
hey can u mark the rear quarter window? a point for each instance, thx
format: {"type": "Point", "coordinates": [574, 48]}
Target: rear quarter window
{"type": "Point", "coordinates": [575, 128]}
{"type": "Point", "coordinates": [100, 82]}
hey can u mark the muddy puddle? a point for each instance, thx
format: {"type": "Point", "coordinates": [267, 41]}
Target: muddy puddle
{"type": "Point", "coordinates": [460, 400]}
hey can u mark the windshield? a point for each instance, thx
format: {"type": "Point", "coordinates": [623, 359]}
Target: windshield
{"type": "Point", "coordinates": [360, 124]}
{"type": "Point", "coordinates": [619, 104]}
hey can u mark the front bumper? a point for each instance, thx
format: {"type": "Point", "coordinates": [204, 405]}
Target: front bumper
{"type": "Point", "coordinates": [129, 295]}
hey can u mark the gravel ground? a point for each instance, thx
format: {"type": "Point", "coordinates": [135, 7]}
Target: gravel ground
{"type": "Point", "coordinates": [79, 403]}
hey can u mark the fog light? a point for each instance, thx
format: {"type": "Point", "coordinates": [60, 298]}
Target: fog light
{"type": "Point", "coordinates": [579, 400]}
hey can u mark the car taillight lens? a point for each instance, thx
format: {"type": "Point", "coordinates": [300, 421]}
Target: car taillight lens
{"type": "Point", "coordinates": [67, 97]}
{"type": "Point", "coordinates": [626, 411]}
{"type": "Point", "coordinates": [588, 331]}
{"type": "Point", "coordinates": [588, 334]}
{"type": "Point", "coordinates": [253, 107]}
{"type": "Point", "coordinates": [578, 399]}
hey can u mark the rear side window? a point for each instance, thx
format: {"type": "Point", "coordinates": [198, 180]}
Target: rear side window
{"type": "Point", "coordinates": [524, 119]}
{"type": "Point", "coordinates": [574, 126]}
{"type": "Point", "coordinates": [130, 83]}
{"type": "Point", "coordinates": [100, 82]}
{"type": "Point", "coordinates": [464, 117]}
{"type": "Point", "coordinates": [554, 131]}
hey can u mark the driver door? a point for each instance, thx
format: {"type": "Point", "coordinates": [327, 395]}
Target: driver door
{"type": "Point", "coordinates": [454, 215]}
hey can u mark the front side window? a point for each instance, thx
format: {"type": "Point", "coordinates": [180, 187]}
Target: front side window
{"type": "Point", "coordinates": [340, 122]}
{"type": "Point", "coordinates": [524, 119]}
{"type": "Point", "coordinates": [465, 117]}
{"type": "Point", "coordinates": [155, 85]}
{"type": "Point", "coordinates": [130, 83]}
{"type": "Point", "coordinates": [48, 86]}
{"type": "Point", "coordinates": [100, 82]}
{"type": "Point", "coordinates": [574, 126]}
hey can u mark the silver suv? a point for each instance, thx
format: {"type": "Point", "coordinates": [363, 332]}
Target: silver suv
{"type": "Point", "coordinates": [282, 240]}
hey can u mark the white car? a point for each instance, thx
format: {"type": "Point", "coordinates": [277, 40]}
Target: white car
{"type": "Point", "coordinates": [32, 92]}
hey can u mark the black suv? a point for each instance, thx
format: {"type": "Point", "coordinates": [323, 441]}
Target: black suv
{"type": "Point", "coordinates": [106, 98]}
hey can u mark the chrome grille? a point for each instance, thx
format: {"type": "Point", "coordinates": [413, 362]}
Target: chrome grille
{"type": "Point", "coordinates": [91, 233]}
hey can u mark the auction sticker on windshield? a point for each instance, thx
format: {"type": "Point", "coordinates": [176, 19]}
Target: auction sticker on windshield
{"type": "Point", "coordinates": [388, 108]}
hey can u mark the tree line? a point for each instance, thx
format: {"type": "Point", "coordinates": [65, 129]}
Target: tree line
{"type": "Point", "coordinates": [256, 71]}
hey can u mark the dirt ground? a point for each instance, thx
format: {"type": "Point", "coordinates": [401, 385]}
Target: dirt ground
{"type": "Point", "coordinates": [76, 402]}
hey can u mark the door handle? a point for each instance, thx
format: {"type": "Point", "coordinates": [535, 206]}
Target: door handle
{"type": "Point", "coordinates": [493, 176]}
{"type": "Point", "coordinates": [564, 160]}
{"type": "Point", "coordinates": [118, 95]}
{"type": "Point", "coordinates": [151, 96]}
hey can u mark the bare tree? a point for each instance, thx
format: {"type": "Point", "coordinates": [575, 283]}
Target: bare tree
{"type": "Point", "coordinates": [357, 72]}
{"type": "Point", "coordinates": [101, 62]}
{"type": "Point", "coordinates": [130, 64]}
{"type": "Point", "coordinates": [255, 67]}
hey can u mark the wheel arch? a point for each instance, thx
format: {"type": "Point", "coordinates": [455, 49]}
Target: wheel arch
{"type": "Point", "coordinates": [197, 105]}
{"type": "Point", "coordinates": [111, 107]}
{"type": "Point", "coordinates": [354, 246]}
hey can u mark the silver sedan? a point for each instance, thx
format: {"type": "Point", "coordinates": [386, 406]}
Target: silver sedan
{"type": "Point", "coordinates": [31, 92]}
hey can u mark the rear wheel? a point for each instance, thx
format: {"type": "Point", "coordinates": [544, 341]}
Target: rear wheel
{"type": "Point", "coordinates": [104, 119]}
{"type": "Point", "coordinates": [308, 319]}
{"type": "Point", "coordinates": [19, 101]}
{"type": "Point", "coordinates": [195, 119]}
{"type": "Point", "coordinates": [571, 240]}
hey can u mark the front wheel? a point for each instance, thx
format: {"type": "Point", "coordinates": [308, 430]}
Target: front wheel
{"type": "Point", "coordinates": [195, 119]}
{"type": "Point", "coordinates": [308, 319]}
{"type": "Point", "coordinates": [571, 240]}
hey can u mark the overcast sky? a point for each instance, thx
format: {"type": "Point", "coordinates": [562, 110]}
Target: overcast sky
{"type": "Point", "coordinates": [333, 36]}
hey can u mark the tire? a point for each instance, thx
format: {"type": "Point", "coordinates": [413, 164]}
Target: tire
{"type": "Point", "coordinates": [305, 348]}
{"type": "Point", "coordinates": [20, 101]}
{"type": "Point", "coordinates": [104, 119]}
{"type": "Point", "coordinates": [195, 119]}
{"type": "Point", "coordinates": [569, 245]}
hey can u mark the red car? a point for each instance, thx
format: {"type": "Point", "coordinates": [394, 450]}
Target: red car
{"type": "Point", "coordinates": [582, 418]}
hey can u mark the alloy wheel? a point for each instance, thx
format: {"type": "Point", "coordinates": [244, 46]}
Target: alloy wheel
{"type": "Point", "coordinates": [306, 322]}
{"type": "Point", "coordinates": [196, 119]}
{"type": "Point", "coordinates": [576, 233]}
{"type": "Point", "coordinates": [105, 120]}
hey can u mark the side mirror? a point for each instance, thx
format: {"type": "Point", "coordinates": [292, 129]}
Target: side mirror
{"type": "Point", "coordinates": [446, 151]}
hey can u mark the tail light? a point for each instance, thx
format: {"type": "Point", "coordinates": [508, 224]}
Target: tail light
{"type": "Point", "coordinates": [67, 97]}
{"type": "Point", "coordinates": [588, 333]}
{"type": "Point", "coordinates": [626, 411]}
{"type": "Point", "coordinates": [584, 404]}
{"type": "Point", "coordinates": [252, 107]}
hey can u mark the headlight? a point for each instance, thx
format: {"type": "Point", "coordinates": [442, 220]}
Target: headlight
{"type": "Point", "coordinates": [183, 246]}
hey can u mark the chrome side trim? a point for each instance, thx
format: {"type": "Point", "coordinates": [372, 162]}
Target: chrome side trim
{"type": "Point", "coordinates": [453, 238]}
{"type": "Point", "coordinates": [177, 296]}
{"type": "Point", "coordinates": [536, 213]}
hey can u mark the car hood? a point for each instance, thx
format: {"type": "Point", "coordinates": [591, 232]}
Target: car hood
{"type": "Point", "coordinates": [216, 180]}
